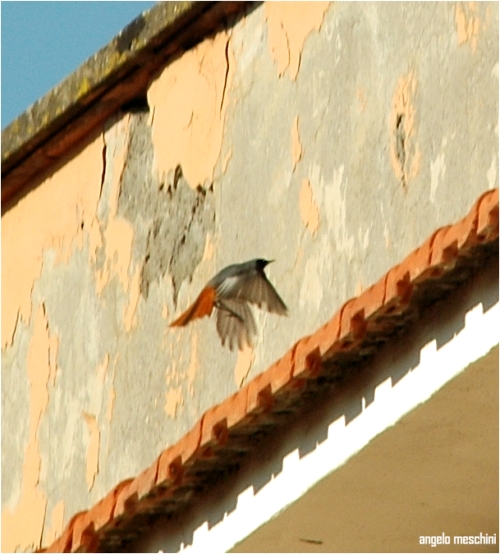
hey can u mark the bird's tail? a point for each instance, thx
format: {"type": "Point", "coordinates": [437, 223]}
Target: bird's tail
{"type": "Point", "coordinates": [201, 307]}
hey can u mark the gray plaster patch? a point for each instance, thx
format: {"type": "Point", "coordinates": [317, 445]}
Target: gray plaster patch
{"type": "Point", "coordinates": [171, 220]}
{"type": "Point", "coordinates": [15, 407]}
{"type": "Point", "coordinates": [85, 326]}
{"type": "Point", "coordinates": [176, 240]}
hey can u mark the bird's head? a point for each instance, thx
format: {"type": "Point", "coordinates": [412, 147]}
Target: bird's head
{"type": "Point", "coordinates": [261, 264]}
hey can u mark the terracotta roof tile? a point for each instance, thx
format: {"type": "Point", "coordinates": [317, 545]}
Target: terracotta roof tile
{"type": "Point", "coordinates": [308, 358]}
{"type": "Point", "coordinates": [217, 420]}
{"type": "Point", "coordinates": [373, 298]}
{"type": "Point", "coordinates": [327, 336]}
{"type": "Point", "coordinates": [468, 239]}
{"type": "Point", "coordinates": [84, 533]}
{"type": "Point", "coordinates": [65, 541]}
{"type": "Point", "coordinates": [353, 333]}
{"type": "Point", "coordinates": [146, 480]}
{"type": "Point", "coordinates": [418, 263]}
{"type": "Point", "coordinates": [353, 323]}
{"type": "Point", "coordinates": [398, 290]}
{"type": "Point", "coordinates": [125, 498]}
{"type": "Point", "coordinates": [445, 251]}
{"type": "Point", "coordinates": [102, 512]}
{"type": "Point", "coordinates": [487, 226]}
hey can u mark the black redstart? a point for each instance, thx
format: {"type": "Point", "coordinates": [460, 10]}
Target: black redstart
{"type": "Point", "coordinates": [231, 291]}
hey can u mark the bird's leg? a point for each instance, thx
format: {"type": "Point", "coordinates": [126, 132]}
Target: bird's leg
{"type": "Point", "coordinates": [224, 308]}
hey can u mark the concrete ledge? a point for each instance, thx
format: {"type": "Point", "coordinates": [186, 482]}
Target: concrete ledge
{"type": "Point", "coordinates": [109, 80]}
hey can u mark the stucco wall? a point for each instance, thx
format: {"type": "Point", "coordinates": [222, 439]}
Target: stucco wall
{"type": "Point", "coordinates": [331, 138]}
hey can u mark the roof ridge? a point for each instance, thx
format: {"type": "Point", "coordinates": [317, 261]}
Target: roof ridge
{"type": "Point", "coordinates": [87, 97]}
{"type": "Point", "coordinates": [169, 482]}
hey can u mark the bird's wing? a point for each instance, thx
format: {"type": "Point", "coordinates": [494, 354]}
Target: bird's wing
{"type": "Point", "coordinates": [256, 289]}
{"type": "Point", "coordinates": [235, 323]}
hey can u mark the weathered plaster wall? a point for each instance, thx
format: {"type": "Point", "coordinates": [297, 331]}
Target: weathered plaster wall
{"type": "Point", "coordinates": [332, 138]}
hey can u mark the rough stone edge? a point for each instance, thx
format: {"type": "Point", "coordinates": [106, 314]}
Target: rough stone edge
{"type": "Point", "coordinates": [131, 58]}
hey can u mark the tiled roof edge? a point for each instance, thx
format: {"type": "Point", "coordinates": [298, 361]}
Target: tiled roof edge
{"type": "Point", "coordinates": [115, 76]}
{"type": "Point", "coordinates": [167, 482]}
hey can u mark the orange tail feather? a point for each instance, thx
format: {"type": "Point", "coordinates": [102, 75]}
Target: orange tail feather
{"type": "Point", "coordinates": [201, 307]}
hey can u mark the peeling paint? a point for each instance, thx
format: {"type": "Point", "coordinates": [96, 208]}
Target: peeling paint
{"type": "Point", "coordinates": [467, 24]}
{"type": "Point", "coordinates": [296, 145]}
{"type": "Point", "coordinates": [173, 399]}
{"type": "Point", "coordinates": [244, 362]}
{"type": "Point", "coordinates": [362, 100]}
{"type": "Point", "coordinates": [311, 291]}
{"type": "Point", "coordinates": [405, 152]}
{"type": "Point", "coordinates": [170, 219]}
{"type": "Point", "coordinates": [360, 287]}
{"type": "Point", "coordinates": [438, 170]}
{"type": "Point", "coordinates": [112, 234]}
{"type": "Point", "coordinates": [309, 210]}
{"type": "Point", "coordinates": [130, 320]}
{"type": "Point", "coordinates": [289, 24]}
{"type": "Point", "coordinates": [189, 100]}
{"type": "Point", "coordinates": [209, 252]}
{"type": "Point", "coordinates": [194, 365]}
{"type": "Point", "coordinates": [387, 238]}
{"type": "Point", "coordinates": [171, 372]}
{"type": "Point", "coordinates": [56, 523]}
{"type": "Point", "coordinates": [92, 449]}
{"type": "Point", "coordinates": [335, 203]}
{"type": "Point", "coordinates": [225, 161]}
{"type": "Point", "coordinates": [112, 392]}
{"type": "Point", "coordinates": [122, 132]}
{"type": "Point", "coordinates": [364, 238]}
{"type": "Point", "coordinates": [32, 504]}
{"type": "Point", "coordinates": [102, 368]}
{"type": "Point", "coordinates": [118, 239]}
{"type": "Point", "coordinates": [491, 174]}
{"type": "Point", "coordinates": [111, 403]}
{"type": "Point", "coordinates": [53, 348]}
{"type": "Point", "coordinates": [95, 241]}
{"type": "Point", "coordinates": [165, 312]}
{"type": "Point", "coordinates": [45, 208]}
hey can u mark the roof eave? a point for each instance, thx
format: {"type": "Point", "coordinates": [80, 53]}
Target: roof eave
{"type": "Point", "coordinates": [115, 76]}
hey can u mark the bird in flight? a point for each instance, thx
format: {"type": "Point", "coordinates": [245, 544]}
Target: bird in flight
{"type": "Point", "coordinates": [231, 292]}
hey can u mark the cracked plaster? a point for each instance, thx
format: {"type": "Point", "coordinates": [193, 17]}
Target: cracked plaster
{"type": "Point", "coordinates": [215, 175]}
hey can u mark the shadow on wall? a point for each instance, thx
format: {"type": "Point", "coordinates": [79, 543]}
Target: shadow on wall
{"type": "Point", "coordinates": [341, 396]}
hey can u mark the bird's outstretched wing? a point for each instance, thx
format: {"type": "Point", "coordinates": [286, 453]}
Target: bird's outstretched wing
{"type": "Point", "coordinates": [235, 323]}
{"type": "Point", "coordinates": [256, 289]}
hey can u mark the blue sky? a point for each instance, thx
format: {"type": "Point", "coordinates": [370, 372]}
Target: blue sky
{"type": "Point", "coordinates": [43, 42]}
